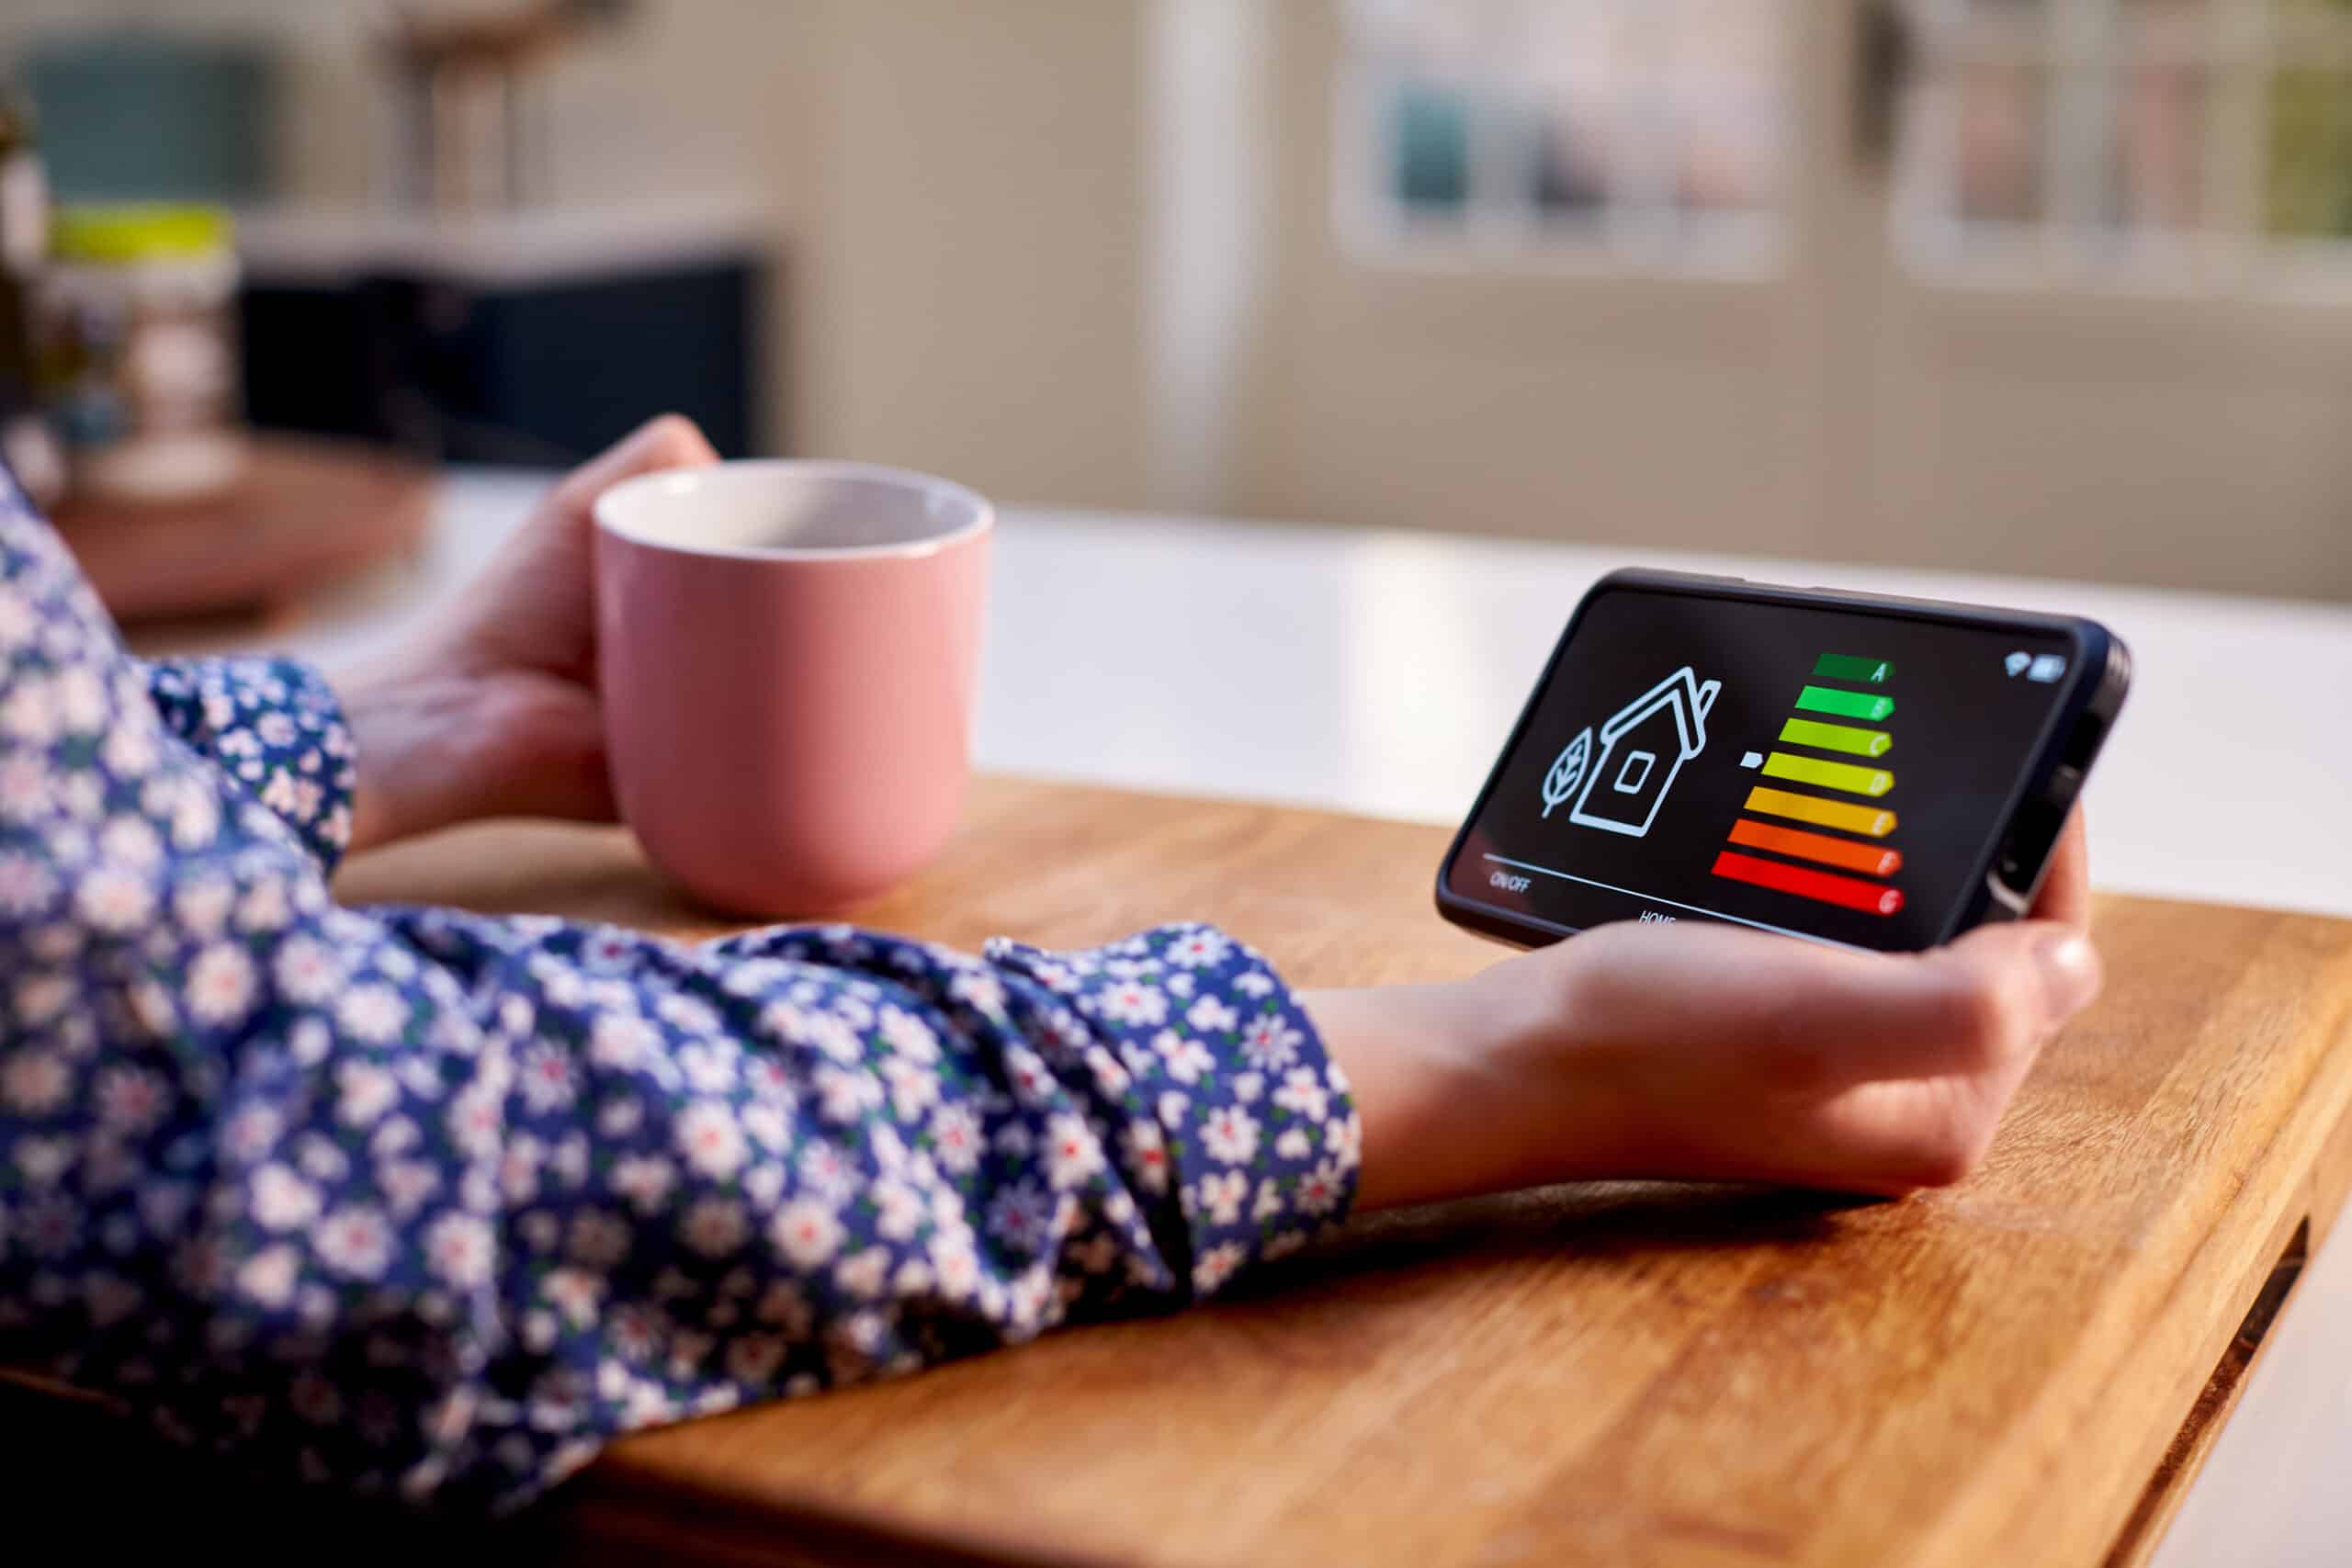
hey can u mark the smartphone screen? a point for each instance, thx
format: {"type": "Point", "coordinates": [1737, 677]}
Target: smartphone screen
{"type": "Point", "coordinates": [1841, 774]}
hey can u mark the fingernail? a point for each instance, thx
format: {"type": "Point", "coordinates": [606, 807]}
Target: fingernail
{"type": "Point", "coordinates": [2069, 971]}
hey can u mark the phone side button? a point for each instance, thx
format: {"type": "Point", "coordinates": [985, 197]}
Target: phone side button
{"type": "Point", "coordinates": [2065, 783]}
{"type": "Point", "coordinates": [2007, 897]}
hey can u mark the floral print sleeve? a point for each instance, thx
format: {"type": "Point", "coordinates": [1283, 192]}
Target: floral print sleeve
{"type": "Point", "coordinates": [433, 1204]}
{"type": "Point", "coordinates": [272, 726]}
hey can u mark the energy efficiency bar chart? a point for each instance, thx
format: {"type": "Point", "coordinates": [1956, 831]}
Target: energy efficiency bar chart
{"type": "Point", "coordinates": [1781, 848]}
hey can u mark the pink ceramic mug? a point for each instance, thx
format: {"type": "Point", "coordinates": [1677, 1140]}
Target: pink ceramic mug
{"type": "Point", "coordinates": [788, 653]}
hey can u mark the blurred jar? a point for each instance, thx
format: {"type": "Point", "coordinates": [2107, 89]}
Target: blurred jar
{"type": "Point", "coordinates": [136, 333]}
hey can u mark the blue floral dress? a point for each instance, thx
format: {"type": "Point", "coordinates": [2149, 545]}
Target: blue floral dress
{"type": "Point", "coordinates": [421, 1201]}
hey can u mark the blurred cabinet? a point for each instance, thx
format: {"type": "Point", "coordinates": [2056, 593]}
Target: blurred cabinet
{"type": "Point", "coordinates": [532, 338]}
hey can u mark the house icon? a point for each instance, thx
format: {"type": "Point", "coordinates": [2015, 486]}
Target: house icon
{"type": "Point", "coordinates": [1643, 746]}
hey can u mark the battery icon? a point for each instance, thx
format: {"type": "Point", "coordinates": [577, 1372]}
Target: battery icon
{"type": "Point", "coordinates": [2047, 668]}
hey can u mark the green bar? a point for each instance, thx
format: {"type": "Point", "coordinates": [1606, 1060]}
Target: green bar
{"type": "Point", "coordinates": [1849, 705]}
{"type": "Point", "coordinates": [1819, 771]}
{"type": "Point", "coordinates": [1837, 736]}
{"type": "Point", "coordinates": [1853, 667]}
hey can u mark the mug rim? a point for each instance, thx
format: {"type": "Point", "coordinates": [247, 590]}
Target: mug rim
{"type": "Point", "coordinates": [610, 499]}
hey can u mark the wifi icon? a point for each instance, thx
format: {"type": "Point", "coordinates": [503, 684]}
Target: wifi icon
{"type": "Point", "coordinates": [2016, 662]}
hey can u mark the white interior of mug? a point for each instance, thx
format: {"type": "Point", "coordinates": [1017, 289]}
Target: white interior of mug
{"type": "Point", "coordinates": [785, 509]}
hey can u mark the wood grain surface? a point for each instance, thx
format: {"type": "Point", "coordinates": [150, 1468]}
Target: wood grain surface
{"type": "Point", "coordinates": [2024, 1368]}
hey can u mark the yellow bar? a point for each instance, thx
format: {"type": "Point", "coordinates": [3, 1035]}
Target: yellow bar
{"type": "Point", "coordinates": [1824, 813]}
{"type": "Point", "coordinates": [1846, 738]}
{"type": "Point", "coordinates": [1847, 777]}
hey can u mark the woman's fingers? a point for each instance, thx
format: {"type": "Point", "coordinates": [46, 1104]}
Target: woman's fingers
{"type": "Point", "coordinates": [532, 607]}
{"type": "Point", "coordinates": [2002, 990]}
{"type": "Point", "coordinates": [1829, 1016]}
{"type": "Point", "coordinates": [1715, 1052]}
{"type": "Point", "coordinates": [666, 441]}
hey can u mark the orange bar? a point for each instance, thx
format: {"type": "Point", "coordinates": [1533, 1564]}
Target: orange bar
{"type": "Point", "coordinates": [1868, 859]}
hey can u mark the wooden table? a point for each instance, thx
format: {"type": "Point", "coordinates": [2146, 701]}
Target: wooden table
{"type": "Point", "coordinates": [2025, 1369]}
{"type": "Point", "coordinates": [303, 515]}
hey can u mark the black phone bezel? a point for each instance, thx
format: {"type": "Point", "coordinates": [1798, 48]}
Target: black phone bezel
{"type": "Point", "coordinates": [2004, 883]}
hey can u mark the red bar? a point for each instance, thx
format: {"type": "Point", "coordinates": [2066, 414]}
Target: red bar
{"type": "Point", "coordinates": [1805, 884]}
{"type": "Point", "coordinates": [1871, 860]}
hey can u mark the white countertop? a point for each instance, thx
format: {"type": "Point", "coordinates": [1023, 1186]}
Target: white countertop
{"type": "Point", "coordinates": [1379, 671]}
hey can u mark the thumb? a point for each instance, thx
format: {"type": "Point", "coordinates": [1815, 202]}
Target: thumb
{"type": "Point", "coordinates": [2000, 990]}
{"type": "Point", "coordinates": [1831, 1014]}
{"type": "Point", "coordinates": [665, 441]}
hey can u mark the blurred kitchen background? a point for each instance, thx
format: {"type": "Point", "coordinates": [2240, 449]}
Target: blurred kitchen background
{"type": "Point", "coordinates": [2028, 287]}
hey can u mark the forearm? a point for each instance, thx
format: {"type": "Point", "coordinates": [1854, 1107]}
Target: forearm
{"type": "Point", "coordinates": [1450, 1078]}
{"type": "Point", "coordinates": [436, 1202]}
{"type": "Point", "coordinates": [497, 1190]}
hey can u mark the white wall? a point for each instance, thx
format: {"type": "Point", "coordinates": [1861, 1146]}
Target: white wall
{"type": "Point", "coordinates": [974, 297]}
{"type": "Point", "coordinates": [1532, 399]}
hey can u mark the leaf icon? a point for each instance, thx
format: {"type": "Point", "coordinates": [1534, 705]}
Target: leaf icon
{"type": "Point", "coordinates": [1567, 770]}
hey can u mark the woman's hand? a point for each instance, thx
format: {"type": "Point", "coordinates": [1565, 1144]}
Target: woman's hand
{"type": "Point", "coordinates": [492, 710]}
{"type": "Point", "coordinates": [1713, 1052]}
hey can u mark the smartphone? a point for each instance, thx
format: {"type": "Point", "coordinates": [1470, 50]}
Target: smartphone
{"type": "Point", "coordinates": [1872, 772]}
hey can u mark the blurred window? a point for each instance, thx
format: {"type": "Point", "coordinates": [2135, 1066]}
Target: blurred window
{"type": "Point", "coordinates": [2197, 142]}
{"type": "Point", "coordinates": [1646, 135]}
